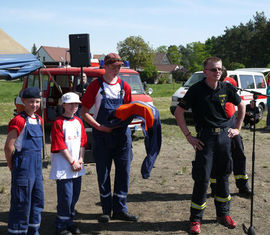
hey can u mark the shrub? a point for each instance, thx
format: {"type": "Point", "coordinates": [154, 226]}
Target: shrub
{"type": "Point", "coordinates": [164, 78]}
{"type": "Point", "coordinates": [149, 74]}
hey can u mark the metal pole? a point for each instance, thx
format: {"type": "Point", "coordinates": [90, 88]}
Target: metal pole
{"type": "Point", "coordinates": [251, 229]}
{"type": "Point", "coordinates": [81, 75]}
{"type": "Point", "coordinates": [44, 152]}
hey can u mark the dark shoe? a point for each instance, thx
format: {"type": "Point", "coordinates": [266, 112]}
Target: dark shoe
{"type": "Point", "coordinates": [74, 229]}
{"type": "Point", "coordinates": [124, 216]}
{"type": "Point", "coordinates": [104, 218]}
{"type": "Point", "coordinates": [195, 227]}
{"type": "Point", "coordinates": [227, 221]}
{"type": "Point", "coordinates": [213, 192]}
{"type": "Point", "coordinates": [62, 232]}
{"type": "Point", "coordinates": [213, 187]}
{"type": "Point", "coordinates": [245, 192]}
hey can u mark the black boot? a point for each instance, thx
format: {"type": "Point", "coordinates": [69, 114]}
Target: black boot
{"type": "Point", "coordinates": [104, 218]}
{"type": "Point", "coordinates": [124, 216]}
{"type": "Point", "coordinates": [245, 192]}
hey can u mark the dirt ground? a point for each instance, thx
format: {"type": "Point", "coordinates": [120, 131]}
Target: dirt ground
{"type": "Point", "coordinates": [162, 201]}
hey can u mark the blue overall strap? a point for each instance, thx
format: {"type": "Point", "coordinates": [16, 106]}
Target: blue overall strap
{"type": "Point", "coordinates": [122, 89]}
{"type": "Point", "coordinates": [37, 119]}
{"type": "Point", "coordinates": [103, 90]}
{"type": "Point", "coordinates": [101, 86]}
{"type": "Point", "coordinates": [25, 116]}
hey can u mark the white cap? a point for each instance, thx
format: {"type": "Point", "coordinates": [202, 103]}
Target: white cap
{"type": "Point", "coordinates": [70, 97]}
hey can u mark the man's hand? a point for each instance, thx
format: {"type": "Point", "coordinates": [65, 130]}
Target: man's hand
{"type": "Point", "coordinates": [195, 142]}
{"type": "Point", "coordinates": [233, 132]}
{"type": "Point", "coordinates": [105, 129]}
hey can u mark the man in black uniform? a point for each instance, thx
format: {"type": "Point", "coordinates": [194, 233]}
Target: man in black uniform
{"type": "Point", "coordinates": [207, 100]}
{"type": "Point", "coordinates": [238, 154]}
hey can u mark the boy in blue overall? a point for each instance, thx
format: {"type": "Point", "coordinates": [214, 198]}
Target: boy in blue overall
{"type": "Point", "coordinates": [107, 94]}
{"type": "Point", "coordinates": [68, 142]}
{"type": "Point", "coordinates": [207, 99]}
{"type": "Point", "coordinates": [25, 164]}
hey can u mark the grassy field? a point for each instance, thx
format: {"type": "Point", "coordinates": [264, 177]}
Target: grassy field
{"type": "Point", "coordinates": [8, 92]}
{"type": "Point", "coordinates": [164, 90]}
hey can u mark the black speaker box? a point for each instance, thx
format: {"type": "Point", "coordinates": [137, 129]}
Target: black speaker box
{"type": "Point", "coordinates": [79, 49]}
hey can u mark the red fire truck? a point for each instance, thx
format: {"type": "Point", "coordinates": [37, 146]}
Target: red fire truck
{"type": "Point", "coordinates": [58, 81]}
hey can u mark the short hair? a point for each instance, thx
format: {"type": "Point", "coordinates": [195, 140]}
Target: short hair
{"type": "Point", "coordinates": [224, 74]}
{"type": "Point", "coordinates": [210, 60]}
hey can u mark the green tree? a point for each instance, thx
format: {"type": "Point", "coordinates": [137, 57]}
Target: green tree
{"type": "Point", "coordinates": [185, 52]}
{"type": "Point", "coordinates": [180, 75]}
{"type": "Point", "coordinates": [162, 49]}
{"type": "Point", "coordinates": [248, 44]}
{"type": "Point", "coordinates": [174, 54]}
{"type": "Point", "coordinates": [149, 73]}
{"type": "Point", "coordinates": [235, 65]}
{"type": "Point", "coordinates": [197, 54]}
{"type": "Point", "coordinates": [136, 51]}
{"type": "Point", "coordinates": [34, 49]}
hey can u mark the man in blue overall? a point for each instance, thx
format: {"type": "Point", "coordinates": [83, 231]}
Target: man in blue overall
{"type": "Point", "coordinates": [207, 100]}
{"type": "Point", "coordinates": [106, 94]}
{"type": "Point", "coordinates": [25, 164]}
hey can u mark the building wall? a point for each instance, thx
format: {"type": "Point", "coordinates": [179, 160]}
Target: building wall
{"type": "Point", "coordinates": [165, 60]}
{"type": "Point", "coordinates": [43, 56]}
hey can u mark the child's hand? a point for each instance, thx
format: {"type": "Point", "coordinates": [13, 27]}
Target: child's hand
{"type": "Point", "coordinates": [81, 162]}
{"type": "Point", "coordinates": [9, 163]}
{"type": "Point", "coordinates": [77, 166]}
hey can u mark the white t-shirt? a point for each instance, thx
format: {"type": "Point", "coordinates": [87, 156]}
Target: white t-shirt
{"type": "Point", "coordinates": [66, 134]}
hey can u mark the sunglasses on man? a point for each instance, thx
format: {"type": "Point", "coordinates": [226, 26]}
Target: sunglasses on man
{"type": "Point", "coordinates": [215, 70]}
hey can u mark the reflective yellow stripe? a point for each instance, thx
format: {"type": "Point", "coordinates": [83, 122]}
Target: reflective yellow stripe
{"type": "Point", "coordinates": [198, 207]}
{"type": "Point", "coordinates": [213, 181]}
{"type": "Point", "coordinates": [222, 199]}
{"type": "Point", "coordinates": [239, 177]}
{"type": "Point", "coordinates": [17, 231]}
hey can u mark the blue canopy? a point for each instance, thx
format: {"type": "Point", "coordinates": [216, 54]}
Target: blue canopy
{"type": "Point", "coordinates": [13, 66]}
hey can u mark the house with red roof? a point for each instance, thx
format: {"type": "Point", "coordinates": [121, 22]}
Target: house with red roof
{"type": "Point", "coordinates": [53, 56]}
{"type": "Point", "coordinates": [164, 66]}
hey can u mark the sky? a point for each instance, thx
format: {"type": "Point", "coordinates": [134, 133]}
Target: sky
{"type": "Point", "coordinates": [158, 22]}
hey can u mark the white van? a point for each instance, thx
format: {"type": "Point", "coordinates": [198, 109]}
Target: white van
{"type": "Point", "coordinates": [265, 71]}
{"type": "Point", "coordinates": [249, 81]}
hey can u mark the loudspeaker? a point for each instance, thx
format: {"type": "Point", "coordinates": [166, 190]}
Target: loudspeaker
{"type": "Point", "coordinates": [79, 49]}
